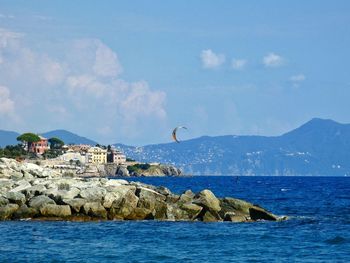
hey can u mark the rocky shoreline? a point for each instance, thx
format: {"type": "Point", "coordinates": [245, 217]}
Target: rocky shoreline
{"type": "Point", "coordinates": [30, 191]}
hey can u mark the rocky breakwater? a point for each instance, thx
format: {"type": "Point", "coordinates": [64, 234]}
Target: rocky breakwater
{"type": "Point", "coordinates": [28, 191]}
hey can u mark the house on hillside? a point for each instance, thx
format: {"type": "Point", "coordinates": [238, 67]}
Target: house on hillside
{"type": "Point", "coordinates": [115, 156]}
{"type": "Point", "coordinates": [39, 147]}
{"type": "Point", "coordinates": [96, 155]}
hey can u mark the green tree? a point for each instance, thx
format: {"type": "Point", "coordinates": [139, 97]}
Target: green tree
{"type": "Point", "coordinates": [28, 138]}
{"type": "Point", "coordinates": [56, 143]}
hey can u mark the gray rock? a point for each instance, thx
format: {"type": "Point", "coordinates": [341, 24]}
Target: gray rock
{"type": "Point", "coordinates": [54, 210]}
{"type": "Point", "coordinates": [207, 200]}
{"type": "Point", "coordinates": [75, 203]}
{"type": "Point", "coordinates": [93, 194]}
{"type": "Point", "coordinates": [39, 201]}
{"type": "Point", "coordinates": [7, 211]}
{"type": "Point", "coordinates": [95, 209]}
{"type": "Point", "coordinates": [3, 201]}
{"type": "Point", "coordinates": [16, 197]}
{"type": "Point", "coordinates": [34, 190]}
{"type": "Point", "coordinates": [124, 207]}
{"type": "Point", "coordinates": [25, 212]}
{"type": "Point", "coordinates": [122, 171]}
{"type": "Point", "coordinates": [20, 186]}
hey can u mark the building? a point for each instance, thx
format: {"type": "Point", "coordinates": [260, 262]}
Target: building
{"type": "Point", "coordinates": [96, 155]}
{"type": "Point", "coordinates": [117, 157]}
{"type": "Point", "coordinates": [39, 147]}
{"type": "Point", "coordinates": [72, 156]}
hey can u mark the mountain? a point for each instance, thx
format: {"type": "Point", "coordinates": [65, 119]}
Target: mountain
{"type": "Point", "coordinates": [8, 137]}
{"type": "Point", "coordinates": [319, 147]}
{"type": "Point", "coordinates": [68, 137]}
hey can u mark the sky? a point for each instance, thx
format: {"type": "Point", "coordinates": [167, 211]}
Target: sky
{"type": "Point", "coordinates": [131, 71]}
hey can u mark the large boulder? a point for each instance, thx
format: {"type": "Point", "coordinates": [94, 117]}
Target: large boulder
{"type": "Point", "coordinates": [192, 210]}
{"type": "Point", "coordinates": [3, 201]}
{"type": "Point", "coordinates": [25, 212]}
{"type": "Point", "coordinates": [39, 201]}
{"type": "Point", "coordinates": [208, 200]}
{"type": "Point", "coordinates": [16, 197]}
{"type": "Point", "coordinates": [95, 209]}
{"type": "Point", "coordinates": [20, 186]}
{"type": "Point", "coordinates": [246, 209]}
{"type": "Point", "coordinates": [53, 210]}
{"type": "Point", "coordinates": [93, 194]}
{"type": "Point", "coordinates": [123, 207]}
{"type": "Point", "coordinates": [7, 211]}
{"type": "Point", "coordinates": [76, 203]}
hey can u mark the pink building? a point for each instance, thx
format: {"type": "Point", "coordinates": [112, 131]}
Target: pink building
{"type": "Point", "coordinates": [39, 147]}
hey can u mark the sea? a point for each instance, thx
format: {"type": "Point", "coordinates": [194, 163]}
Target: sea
{"type": "Point", "coordinates": [318, 229]}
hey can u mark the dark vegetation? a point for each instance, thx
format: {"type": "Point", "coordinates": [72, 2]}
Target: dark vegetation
{"type": "Point", "coordinates": [138, 166]}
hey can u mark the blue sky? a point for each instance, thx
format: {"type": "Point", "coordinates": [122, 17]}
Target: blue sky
{"type": "Point", "coordinates": [120, 72]}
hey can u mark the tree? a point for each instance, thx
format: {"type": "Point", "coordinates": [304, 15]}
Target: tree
{"type": "Point", "coordinates": [56, 143]}
{"type": "Point", "coordinates": [28, 138]}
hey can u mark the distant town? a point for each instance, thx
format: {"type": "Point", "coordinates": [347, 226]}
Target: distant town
{"type": "Point", "coordinates": [80, 159]}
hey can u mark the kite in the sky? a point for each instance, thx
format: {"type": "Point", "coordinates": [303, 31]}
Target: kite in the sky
{"type": "Point", "coordinates": [174, 133]}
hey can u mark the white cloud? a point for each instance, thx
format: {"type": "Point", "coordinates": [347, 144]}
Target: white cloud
{"type": "Point", "coordinates": [107, 63]}
{"type": "Point", "coordinates": [141, 101]}
{"type": "Point", "coordinates": [211, 60]}
{"type": "Point", "coordinates": [273, 60]}
{"type": "Point", "coordinates": [297, 78]}
{"type": "Point", "coordinates": [239, 64]}
{"type": "Point", "coordinates": [81, 88]}
{"type": "Point", "coordinates": [7, 105]}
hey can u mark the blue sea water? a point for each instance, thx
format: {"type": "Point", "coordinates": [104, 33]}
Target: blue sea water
{"type": "Point", "coordinates": [318, 229]}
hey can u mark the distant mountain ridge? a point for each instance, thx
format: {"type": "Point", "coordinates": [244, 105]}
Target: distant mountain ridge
{"type": "Point", "coordinates": [9, 137]}
{"type": "Point", "coordinates": [319, 147]}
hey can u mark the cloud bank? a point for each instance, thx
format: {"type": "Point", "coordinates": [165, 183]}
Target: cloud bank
{"type": "Point", "coordinates": [82, 89]}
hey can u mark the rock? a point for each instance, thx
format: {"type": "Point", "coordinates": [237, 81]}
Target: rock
{"type": "Point", "coordinates": [95, 209]}
{"type": "Point", "coordinates": [257, 213]}
{"type": "Point", "coordinates": [187, 196]}
{"type": "Point", "coordinates": [93, 194]}
{"type": "Point", "coordinates": [33, 169]}
{"type": "Point", "coordinates": [20, 186]}
{"type": "Point", "coordinates": [39, 201]}
{"type": "Point", "coordinates": [234, 205]}
{"type": "Point", "coordinates": [24, 212]}
{"type": "Point", "coordinates": [140, 213]}
{"type": "Point", "coordinates": [59, 195]}
{"type": "Point", "coordinates": [109, 198]}
{"type": "Point", "coordinates": [16, 175]}
{"type": "Point", "coordinates": [122, 171]}
{"type": "Point", "coordinates": [192, 210]}
{"type": "Point", "coordinates": [152, 201]}
{"type": "Point", "coordinates": [34, 190]}
{"type": "Point", "coordinates": [211, 216]}
{"type": "Point", "coordinates": [54, 210]}
{"type": "Point", "coordinates": [232, 217]}
{"type": "Point", "coordinates": [16, 197]}
{"type": "Point", "coordinates": [124, 206]}
{"type": "Point", "coordinates": [7, 211]}
{"type": "Point", "coordinates": [3, 201]}
{"type": "Point", "coordinates": [75, 203]}
{"type": "Point", "coordinates": [116, 182]}
{"type": "Point", "coordinates": [207, 200]}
